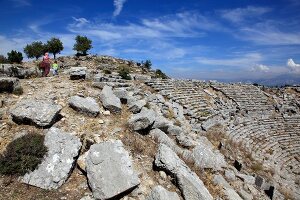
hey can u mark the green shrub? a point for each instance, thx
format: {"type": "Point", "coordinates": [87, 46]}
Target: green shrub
{"type": "Point", "coordinates": [107, 71]}
{"type": "Point", "coordinates": [160, 74]}
{"type": "Point", "coordinates": [23, 155]}
{"type": "Point", "coordinates": [124, 73]}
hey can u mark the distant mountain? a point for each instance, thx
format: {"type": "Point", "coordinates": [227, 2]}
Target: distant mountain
{"type": "Point", "coordinates": [281, 80]}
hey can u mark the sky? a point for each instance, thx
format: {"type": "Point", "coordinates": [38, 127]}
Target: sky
{"type": "Point", "coordinates": [194, 39]}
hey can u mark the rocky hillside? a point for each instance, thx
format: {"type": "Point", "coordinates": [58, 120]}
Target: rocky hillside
{"type": "Point", "coordinates": [145, 138]}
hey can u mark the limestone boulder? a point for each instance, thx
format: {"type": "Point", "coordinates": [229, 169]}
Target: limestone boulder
{"type": "Point", "coordinates": [87, 105]}
{"type": "Point", "coordinates": [160, 193]}
{"type": "Point", "coordinates": [206, 157]}
{"type": "Point", "coordinates": [41, 113]}
{"type": "Point", "coordinates": [122, 94]}
{"type": "Point", "coordinates": [191, 186]}
{"type": "Point", "coordinates": [136, 106]}
{"type": "Point", "coordinates": [109, 170]}
{"type": "Point", "coordinates": [77, 73]}
{"type": "Point", "coordinates": [11, 85]}
{"type": "Point", "coordinates": [142, 120]}
{"type": "Point", "coordinates": [109, 100]}
{"type": "Point", "coordinates": [55, 169]}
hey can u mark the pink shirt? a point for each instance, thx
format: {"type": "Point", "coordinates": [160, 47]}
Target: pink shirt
{"type": "Point", "coordinates": [46, 59]}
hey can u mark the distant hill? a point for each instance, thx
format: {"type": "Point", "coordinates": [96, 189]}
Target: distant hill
{"type": "Point", "coordinates": [281, 80]}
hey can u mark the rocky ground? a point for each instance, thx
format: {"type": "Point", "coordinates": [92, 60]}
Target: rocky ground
{"type": "Point", "coordinates": [110, 138]}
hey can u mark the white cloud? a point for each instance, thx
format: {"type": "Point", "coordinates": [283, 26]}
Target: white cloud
{"type": "Point", "coordinates": [268, 35]}
{"type": "Point", "coordinates": [240, 61]}
{"type": "Point", "coordinates": [118, 7]}
{"type": "Point", "coordinates": [293, 66]}
{"type": "Point", "coordinates": [240, 14]}
{"type": "Point", "coordinates": [80, 22]}
{"type": "Point", "coordinates": [260, 68]}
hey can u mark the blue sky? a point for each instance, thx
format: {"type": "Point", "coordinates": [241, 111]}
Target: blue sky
{"type": "Point", "coordinates": [205, 39]}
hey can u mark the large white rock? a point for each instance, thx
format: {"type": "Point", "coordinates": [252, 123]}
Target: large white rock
{"type": "Point", "coordinates": [206, 157]}
{"type": "Point", "coordinates": [38, 112]}
{"type": "Point", "coordinates": [142, 120]}
{"type": "Point", "coordinates": [191, 186]}
{"type": "Point", "coordinates": [109, 170]}
{"type": "Point", "coordinates": [87, 105]}
{"type": "Point", "coordinates": [160, 193]}
{"type": "Point", "coordinates": [109, 100]}
{"type": "Point", "coordinates": [55, 169]}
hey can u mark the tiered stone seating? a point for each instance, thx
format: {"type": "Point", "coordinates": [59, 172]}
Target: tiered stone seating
{"type": "Point", "coordinates": [279, 137]}
{"type": "Point", "coordinates": [188, 93]}
{"type": "Point", "coordinates": [248, 97]}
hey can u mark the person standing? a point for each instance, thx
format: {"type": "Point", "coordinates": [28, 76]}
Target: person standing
{"type": "Point", "coordinates": [46, 64]}
{"type": "Point", "coordinates": [55, 68]}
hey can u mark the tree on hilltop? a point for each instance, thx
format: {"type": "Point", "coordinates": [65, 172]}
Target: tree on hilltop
{"type": "Point", "coordinates": [35, 49]}
{"type": "Point", "coordinates": [147, 64]}
{"type": "Point", "coordinates": [82, 45]}
{"type": "Point", "coordinates": [14, 57]}
{"type": "Point", "coordinates": [54, 46]}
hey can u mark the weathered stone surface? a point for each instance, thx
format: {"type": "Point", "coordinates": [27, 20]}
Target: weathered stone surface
{"type": "Point", "coordinates": [185, 140]}
{"type": "Point", "coordinates": [38, 112]}
{"type": "Point", "coordinates": [63, 148]}
{"type": "Point", "coordinates": [18, 71]}
{"type": "Point", "coordinates": [11, 85]}
{"type": "Point", "coordinates": [160, 193]}
{"type": "Point", "coordinates": [87, 105]}
{"type": "Point", "coordinates": [136, 106]}
{"type": "Point", "coordinates": [81, 161]}
{"type": "Point", "coordinates": [109, 170]}
{"type": "Point", "coordinates": [110, 101]}
{"type": "Point", "coordinates": [77, 73]}
{"type": "Point", "coordinates": [206, 157]}
{"type": "Point", "coordinates": [101, 85]}
{"type": "Point", "coordinates": [229, 175]}
{"type": "Point", "coordinates": [229, 192]}
{"type": "Point", "coordinates": [122, 94]}
{"type": "Point", "coordinates": [163, 138]}
{"type": "Point", "coordinates": [162, 123]}
{"type": "Point", "coordinates": [246, 178]}
{"type": "Point", "coordinates": [142, 120]}
{"type": "Point", "coordinates": [188, 182]}
{"type": "Point", "coordinates": [174, 130]}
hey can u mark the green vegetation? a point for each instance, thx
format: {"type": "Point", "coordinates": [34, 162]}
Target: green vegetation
{"type": "Point", "coordinates": [106, 71]}
{"type": "Point", "coordinates": [124, 72]}
{"type": "Point", "coordinates": [14, 57]}
{"type": "Point", "coordinates": [35, 49]}
{"type": "Point", "coordinates": [23, 155]}
{"type": "Point", "coordinates": [3, 59]}
{"type": "Point", "coordinates": [54, 46]}
{"type": "Point", "coordinates": [147, 64]}
{"type": "Point", "coordinates": [160, 74]}
{"type": "Point", "coordinates": [82, 45]}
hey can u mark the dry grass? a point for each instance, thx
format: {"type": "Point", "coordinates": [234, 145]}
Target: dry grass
{"type": "Point", "coordinates": [257, 167]}
{"type": "Point", "coordinates": [286, 192]}
{"type": "Point", "coordinates": [139, 144]}
{"type": "Point", "coordinates": [170, 114]}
